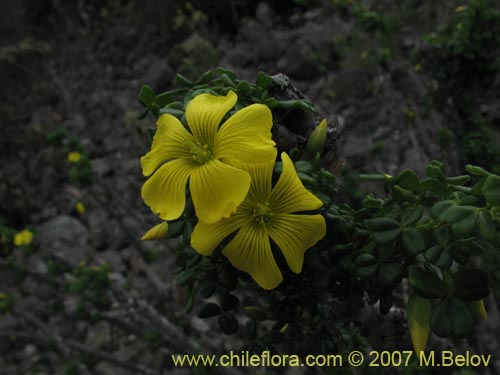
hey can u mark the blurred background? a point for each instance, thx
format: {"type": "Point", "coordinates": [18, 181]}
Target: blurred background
{"type": "Point", "coordinates": [408, 81]}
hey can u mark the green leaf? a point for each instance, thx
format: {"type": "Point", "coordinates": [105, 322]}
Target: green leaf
{"type": "Point", "coordinates": [439, 256]}
{"type": "Point", "coordinates": [407, 179]}
{"type": "Point", "coordinates": [205, 77]}
{"type": "Point", "coordinates": [263, 80]}
{"type": "Point", "coordinates": [366, 265]}
{"type": "Point", "coordinates": [475, 170]}
{"type": "Point", "coordinates": [471, 284]}
{"type": "Point", "coordinates": [414, 240]}
{"type": "Point", "coordinates": [229, 302]}
{"type": "Point", "coordinates": [487, 227]}
{"type": "Point", "coordinates": [442, 235]}
{"type": "Point", "coordinates": [385, 229]}
{"type": "Point", "coordinates": [228, 323]}
{"type": "Point", "coordinates": [432, 186]}
{"type": "Point", "coordinates": [146, 96]}
{"type": "Point", "coordinates": [183, 81]}
{"type": "Point", "coordinates": [174, 112]}
{"type": "Point", "coordinates": [303, 166]}
{"type": "Point", "coordinates": [388, 272]}
{"type": "Point", "coordinates": [491, 190]}
{"type": "Point", "coordinates": [435, 173]}
{"type": "Point", "coordinates": [458, 180]}
{"type": "Point", "coordinates": [411, 215]}
{"type": "Point", "coordinates": [255, 313]}
{"type": "Point", "coordinates": [427, 284]}
{"type": "Point", "coordinates": [209, 310]}
{"type": "Point", "coordinates": [418, 313]}
{"type": "Point", "coordinates": [207, 288]}
{"type": "Point", "coordinates": [288, 104]}
{"type": "Point", "coordinates": [460, 252]}
{"type": "Point", "coordinates": [403, 195]}
{"type": "Point", "coordinates": [440, 208]}
{"type": "Point", "coordinates": [452, 318]}
{"type": "Point", "coordinates": [306, 179]}
{"type": "Point", "coordinates": [220, 71]}
{"type": "Point", "coordinates": [466, 226]}
{"type": "Point", "coordinates": [271, 102]}
{"type": "Point", "coordinates": [457, 213]}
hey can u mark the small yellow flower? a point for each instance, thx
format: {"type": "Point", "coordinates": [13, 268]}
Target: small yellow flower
{"type": "Point", "coordinates": [266, 213]}
{"type": "Point", "coordinates": [418, 67]}
{"type": "Point", "coordinates": [74, 157]}
{"type": "Point", "coordinates": [158, 232]}
{"type": "Point", "coordinates": [202, 156]}
{"type": "Point", "coordinates": [460, 8]}
{"type": "Point", "coordinates": [23, 238]}
{"type": "Point", "coordinates": [80, 208]}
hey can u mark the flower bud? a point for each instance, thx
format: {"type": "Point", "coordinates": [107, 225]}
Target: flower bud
{"type": "Point", "coordinates": [317, 139]}
{"type": "Point", "coordinates": [158, 232]}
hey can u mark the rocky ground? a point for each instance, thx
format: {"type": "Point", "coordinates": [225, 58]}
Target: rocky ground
{"type": "Point", "coordinates": [74, 74]}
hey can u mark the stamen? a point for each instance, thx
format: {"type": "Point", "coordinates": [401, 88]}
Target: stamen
{"type": "Point", "coordinates": [262, 213]}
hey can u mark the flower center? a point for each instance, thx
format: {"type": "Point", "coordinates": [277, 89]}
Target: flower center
{"type": "Point", "coordinates": [201, 153]}
{"type": "Point", "coordinates": [262, 213]}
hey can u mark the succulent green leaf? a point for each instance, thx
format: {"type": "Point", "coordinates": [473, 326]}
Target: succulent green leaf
{"type": "Point", "coordinates": [208, 310]}
{"type": "Point", "coordinates": [487, 227]}
{"type": "Point", "coordinates": [491, 190]}
{"type": "Point", "coordinates": [458, 180]}
{"type": "Point", "coordinates": [385, 230]}
{"type": "Point", "coordinates": [388, 272]}
{"type": "Point", "coordinates": [440, 208]}
{"type": "Point", "coordinates": [452, 318]}
{"type": "Point", "coordinates": [366, 265]}
{"type": "Point", "coordinates": [414, 240]}
{"type": "Point", "coordinates": [427, 284]}
{"type": "Point", "coordinates": [407, 179]}
{"type": "Point", "coordinates": [439, 256]}
{"type": "Point", "coordinates": [228, 323]}
{"type": "Point", "coordinates": [411, 215]}
{"type": "Point", "coordinates": [475, 170]}
{"type": "Point", "coordinates": [471, 284]}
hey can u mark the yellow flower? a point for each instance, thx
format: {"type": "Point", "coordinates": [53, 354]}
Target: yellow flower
{"type": "Point", "coordinates": [202, 156]}
{"type": "Point", "coordinates": [158, 232]}
{"type": "Point", "coordinates": [460, 8]}
{"type": "Point", "coordinates": [23, 238]}
{"type": "Point", "coordinates": [74, 157]}
{"type": "Point", "coordinates": [80, 208]}
{"type": "Point", "coordinates": [266, 212]}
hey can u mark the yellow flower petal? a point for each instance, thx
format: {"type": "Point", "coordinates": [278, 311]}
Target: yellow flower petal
{"type": "Point", "coordinates": [206, 237]}
{"type": "Point", "coordinates": [158, 232]}
{"type": "Point", "coordinates": [289, 195]}
{"type": "Point", "coordinates": [294, 234]}
{"type": "Point", "coordinates": [204, 114]}
{"type": "Point", "coordinates": [262, 176]}
{"type": "Point", "coordinates": [217, 190]}
{"type": "Point", "coordinates": [170, 142]}
{"type": "Point", "coordinates": [250, 251]}
{"type": "Point", "coordinates": [165, 191]}
{"type": "Point", "coordinates": [246, 136]}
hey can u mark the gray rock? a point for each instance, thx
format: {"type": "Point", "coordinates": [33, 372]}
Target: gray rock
{"type": "Point", "coordinates": [98, 227]}
{"type": "Point", "coordinates": [99, 336]}
{"type": "Point", "coordinates": [64, 237]}
{"type": "Point", "coordinates": [101, 167]}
